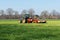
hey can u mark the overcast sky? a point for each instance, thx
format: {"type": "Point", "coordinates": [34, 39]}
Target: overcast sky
{"type": "Point", "coordinates": [37, 5]}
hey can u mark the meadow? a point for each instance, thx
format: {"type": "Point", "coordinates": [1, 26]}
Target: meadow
{"type": "Point", "coordinates": [13, 30]}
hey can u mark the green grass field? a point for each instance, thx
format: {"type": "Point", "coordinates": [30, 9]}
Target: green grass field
{"type": "Point", "coordinates": [13, 30]}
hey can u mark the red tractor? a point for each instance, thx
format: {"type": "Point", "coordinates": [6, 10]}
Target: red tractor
{"type": "Point", "coordinates": [31, 20]}
{"type": "Point", "coordinates": [28, 19]}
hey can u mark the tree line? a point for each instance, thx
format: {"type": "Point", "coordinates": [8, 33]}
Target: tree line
{"type": "Point", "coordinates": [13, 14]}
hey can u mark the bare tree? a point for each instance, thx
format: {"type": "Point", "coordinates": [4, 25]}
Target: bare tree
{"type": "Point", "coordinates": [10, 12]}
{"type": "Point", "coordinates": [44, 14]}
{"type": "Point", "coordinates": [55, 14]}
{"type": "Point", "coordinates": [16, 14]}
{"type": "Point", "coordinates": [50, 16]}
{"type": "Point", "coordinates": [23, 13]}
{"type": "Point", "coordinates": [2, 12]}
{"type": "Point", "coordinates": [31, 12]}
